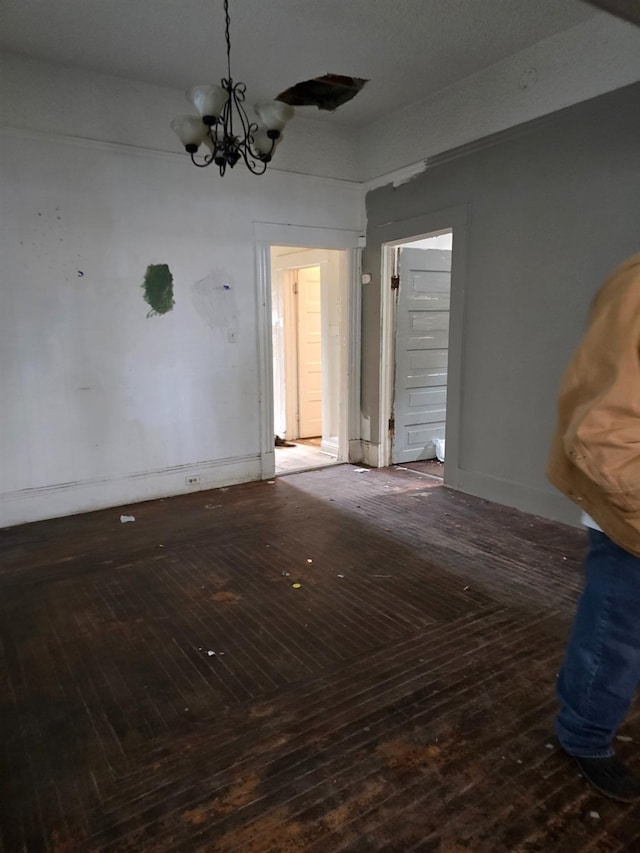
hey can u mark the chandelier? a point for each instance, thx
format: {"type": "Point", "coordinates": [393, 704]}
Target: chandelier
{"type": "Point", "coordinates": [223, 126]}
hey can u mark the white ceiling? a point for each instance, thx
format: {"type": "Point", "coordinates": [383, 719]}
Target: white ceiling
{"type": "Point", "coordinates": [408, 49]}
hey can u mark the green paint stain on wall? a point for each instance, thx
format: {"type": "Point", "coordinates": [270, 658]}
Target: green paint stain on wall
{"type": "Point", "coordinates": [158, 289]}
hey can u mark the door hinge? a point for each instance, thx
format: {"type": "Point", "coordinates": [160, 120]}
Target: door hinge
{"type": "Point", "coordinates": [392, 426]}
{"type": "Point", "coordinates": [395, 282]}
{"type": "Point", "coordinates": [295, 287]}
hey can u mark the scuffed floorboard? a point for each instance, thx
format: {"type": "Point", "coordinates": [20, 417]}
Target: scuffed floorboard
{"type": "Point", "coordinates": [166, 688]}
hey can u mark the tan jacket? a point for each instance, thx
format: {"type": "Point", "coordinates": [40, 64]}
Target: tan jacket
{"type": "Point", "coordinates": [595, 455]}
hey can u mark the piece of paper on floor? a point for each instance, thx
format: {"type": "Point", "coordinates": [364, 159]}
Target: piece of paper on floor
{"type": "Point", "coordinates": [125, 518]}
{"type": "Point", "coordinates": [360, 470]}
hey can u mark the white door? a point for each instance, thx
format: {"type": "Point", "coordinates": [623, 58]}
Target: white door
{"type": "Point", "coordinates": [309, 353]}
{"type": "Point", "coordinates": [422, 340]}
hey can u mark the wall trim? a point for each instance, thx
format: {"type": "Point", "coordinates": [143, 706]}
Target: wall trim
{"type": "Point", "coordinates": [306, 236]}
{"type": "Point", "coordinates": [155, 153]}
{"type": "Point", "coordinates": [60, 499]}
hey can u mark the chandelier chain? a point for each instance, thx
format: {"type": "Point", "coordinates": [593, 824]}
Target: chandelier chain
{"type": "Point", "coordinates": [228, 38]}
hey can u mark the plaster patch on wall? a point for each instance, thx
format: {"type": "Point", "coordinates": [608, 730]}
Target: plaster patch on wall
{"type": "Point", "coordinates": [158, 289]}
{"type": "Point", "coordinates": [215, 302]}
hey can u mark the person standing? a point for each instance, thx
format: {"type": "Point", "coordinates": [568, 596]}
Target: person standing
{"type": "Point", "coordinates": [595, 461]}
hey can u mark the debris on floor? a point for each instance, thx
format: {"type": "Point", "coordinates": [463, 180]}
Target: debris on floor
{"type": "Point", "coordinates": [360, 470]}
{"type": "Point", "coordinates": [296, 585]}
{"type": "Point", "coordinates": [624, 738]}
{"type": "Point", "coordinates": [282, 442]}
{"type": "Point", "coordinates": [125, 518]}
{"type": "Point", "coordinates": [594, 815]}
{"type": "Point", "coordinates": [340, 576]}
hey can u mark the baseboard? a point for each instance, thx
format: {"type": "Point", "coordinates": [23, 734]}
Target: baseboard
{"type": "Point", "coordinates": [330, 446]}
{"type": "Point", "coordinates": [371, 454]}
{"type": "Point", "coordinates": [36, 504]}
{"type": "Point", "coordinates": [355, 451]}
{"type": "Point", "coordinates": [545, 504]}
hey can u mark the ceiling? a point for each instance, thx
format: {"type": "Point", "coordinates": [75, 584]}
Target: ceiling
{"type": "Point", "coordinates": [408, 49]}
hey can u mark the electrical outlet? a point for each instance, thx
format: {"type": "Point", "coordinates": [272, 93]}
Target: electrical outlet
{"type": "Point", "coordinates": [192, 481]}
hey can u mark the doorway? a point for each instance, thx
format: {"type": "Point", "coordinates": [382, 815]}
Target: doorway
{"type": "Point", "coordinates": [309, 289]}
{"type": "Point", "coordinates": [421, 282]}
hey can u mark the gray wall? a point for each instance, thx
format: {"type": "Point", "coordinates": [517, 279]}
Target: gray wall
{"type": "Point", "coordinates": [550, 208]}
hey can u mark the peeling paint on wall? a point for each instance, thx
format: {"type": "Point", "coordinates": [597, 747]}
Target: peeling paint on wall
{"type": "Point", "coordinates": [158, 289]}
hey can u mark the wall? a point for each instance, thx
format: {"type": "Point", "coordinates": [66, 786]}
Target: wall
{"type": "Point", "coordinates": [598, 56]}
{"type": "Point", "coordinates": [102, 405]}
{"type": "Point", "coordinates": [551, 207]}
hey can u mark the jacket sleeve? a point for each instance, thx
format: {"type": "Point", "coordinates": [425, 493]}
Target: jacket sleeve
{"type": "Point", "coordinates": [602, 437]}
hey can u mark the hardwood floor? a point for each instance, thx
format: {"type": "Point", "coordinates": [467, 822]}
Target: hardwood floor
{"type": "Point", "coordinates": [167, 688]}
{"type": "Point", "coordinates": [304, 455]}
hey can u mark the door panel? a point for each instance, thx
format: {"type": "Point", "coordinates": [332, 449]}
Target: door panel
{"type": "Point", "coordinates": [422, 340]}
{"type": "Point", "coordinates": [309, 353]}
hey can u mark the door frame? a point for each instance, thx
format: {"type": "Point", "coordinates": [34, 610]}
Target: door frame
{"type": "Point", "coordinates": [389, 236]}
{"type": "Point", "coordinates": [267, 234]}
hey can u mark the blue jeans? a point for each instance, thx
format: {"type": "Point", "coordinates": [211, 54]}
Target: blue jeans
{"type": "Point", "coordinates": [601, 669]}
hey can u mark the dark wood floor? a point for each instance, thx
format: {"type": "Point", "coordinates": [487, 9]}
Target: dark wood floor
{"type": "Point", "coordinates": [166, 688]}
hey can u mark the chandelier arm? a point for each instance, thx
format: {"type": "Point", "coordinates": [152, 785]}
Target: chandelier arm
{"type": "Point", "coordinates": [256, 168]}
{"type": "Point", "coordinates": [208, 160]}
{"type": "Point", "coordinates": [238, 95]}
{"type": "Point", "coordinates": [261, 155]}
{"type": "Point", "coordinates": [226, 116]}
{"type": "Point", "coordinates": [248, 128]}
